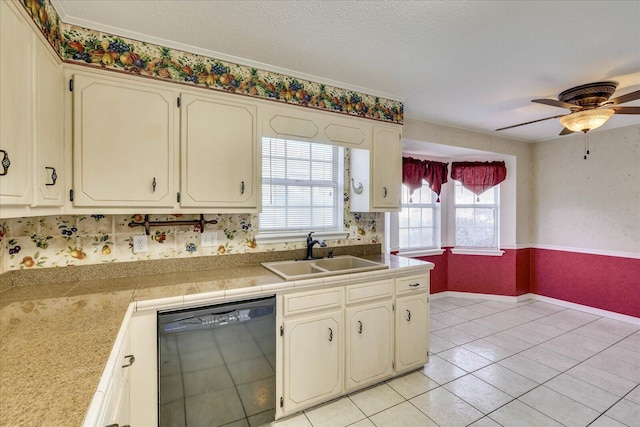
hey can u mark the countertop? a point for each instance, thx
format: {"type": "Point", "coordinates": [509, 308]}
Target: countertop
{"type": "Point", "coordinates": [55, 339]}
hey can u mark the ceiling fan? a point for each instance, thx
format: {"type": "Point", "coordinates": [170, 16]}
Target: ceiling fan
{"type": "Point", "coordinates": [590, 107]}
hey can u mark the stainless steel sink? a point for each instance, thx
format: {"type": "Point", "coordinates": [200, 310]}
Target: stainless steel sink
{"type": "Point", "coordinates": [345, 264]}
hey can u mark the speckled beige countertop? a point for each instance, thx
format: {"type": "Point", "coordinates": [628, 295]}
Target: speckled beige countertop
{"type": "Point", "coordinates": [55, 339]}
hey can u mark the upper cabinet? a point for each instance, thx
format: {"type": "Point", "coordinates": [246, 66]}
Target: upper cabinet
{"type": "Point", "coordinates": [16, 53]}
{"type": "Point", "coordinates": [124, 142]}
{"type": "Point", "coordinates": [220, 154]}
{"type": "Point", "coordinates": [376, 174]}
{"type": "Point", "coordinates": [32, 120]}
{"type": "Point", "coordinates": [48, 127]}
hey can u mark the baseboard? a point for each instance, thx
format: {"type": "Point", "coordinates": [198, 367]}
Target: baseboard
{"type": "Point", "coordinates": [520, 298]}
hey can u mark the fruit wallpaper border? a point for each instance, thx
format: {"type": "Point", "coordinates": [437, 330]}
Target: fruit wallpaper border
{"type": "Point", "coordinates": [88, 47]}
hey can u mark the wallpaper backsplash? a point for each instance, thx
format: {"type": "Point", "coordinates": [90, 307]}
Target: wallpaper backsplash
{"type": "Point", "coordinates": [58, 241]}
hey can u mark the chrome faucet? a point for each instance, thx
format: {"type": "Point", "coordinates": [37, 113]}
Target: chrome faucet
{"type": "Point", "coordinates": [310, 243]}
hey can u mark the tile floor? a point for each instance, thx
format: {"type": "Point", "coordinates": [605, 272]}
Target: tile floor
{"type": "Point", "coordinates": [511, 364]}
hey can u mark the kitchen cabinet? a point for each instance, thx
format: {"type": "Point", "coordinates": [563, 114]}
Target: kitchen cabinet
{"type": "Point", "coordinates": [48, 126]}
{"type": "Point", "coordinates": [412, 322]}
{"type": "Point", "coordinates": [376, 174]}
{"type": "Point", "coordinates": [295, 123]}
{"type": "Point", "coordinates": [219, 153]}
{"type": "Point", "coordinates": [124, 142]}
{"type": "Point", "coordinates": [369, 344]}
{"type": "Point", "coordinates": [312, 348]}
{"type": "Point", "coordinates": [16, 143]}
{"type": "Point", "coordinates": [312, 359]}
{"type": "Point", "coordinates": [111, 402]}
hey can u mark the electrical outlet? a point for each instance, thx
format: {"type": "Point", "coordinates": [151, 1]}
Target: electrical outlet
{"type": "Point", "coordinates": [208, 239]}
{"type": "Point", "coordinates": [140, 244]}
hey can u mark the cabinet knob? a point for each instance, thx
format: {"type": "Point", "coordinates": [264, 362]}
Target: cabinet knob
{"type": "Point", "coordinates": [330, 334]}
{"type": "Point", "coordinates": [5, 162]}
{"type": "Point", "coordinates": [408, 315]}
{"type": "Point", "coordinates": [359, 327]}
{"type": "Point", "coordinates": [54, 175]}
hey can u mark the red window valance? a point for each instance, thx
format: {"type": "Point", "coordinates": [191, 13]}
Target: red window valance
{"type": "Point", "coordinates": [415, 170]}
{"type": "Point", "coordinates": [478, 177]}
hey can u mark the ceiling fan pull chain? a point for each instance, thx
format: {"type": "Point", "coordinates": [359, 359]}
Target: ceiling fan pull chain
{"type": "Point", "coordinates": [586, 145]}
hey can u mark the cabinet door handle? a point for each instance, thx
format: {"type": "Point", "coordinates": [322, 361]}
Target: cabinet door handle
{"type": "Point", "coordinates": [5, 162]}
{"type": "Point", "coordinates": [384, 191]}
{"type": "Point", "coordinates": [54, 175]}
{"type": "Point", "coordinates": [415, 285]}
{"type": "Point", "coordinates": [330, 334]}
{"type": "Point", "coordinates": [131, 360]}
{"type": "Point", "coordinates": [242, 187]}
{"type": "Point", "coordinates": [408, 315]}
{"type": "Point", "coordinates": [359, 327]}
{"type": "Point", "coordinates": [153, 185]}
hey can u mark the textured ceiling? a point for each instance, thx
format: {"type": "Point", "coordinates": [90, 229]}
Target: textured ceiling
{"type": "Point", "coordinates": [468, 64]}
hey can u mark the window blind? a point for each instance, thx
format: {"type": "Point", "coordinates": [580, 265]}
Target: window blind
{"type": "Point", "coordinates": [301, 186]}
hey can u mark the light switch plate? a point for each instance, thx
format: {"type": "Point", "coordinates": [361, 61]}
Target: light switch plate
{"type": "Point", "coordinates": [208, 239]}
{"type": "Point", "coordinates": [140, 244]}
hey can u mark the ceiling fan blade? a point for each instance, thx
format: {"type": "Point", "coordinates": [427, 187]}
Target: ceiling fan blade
{"type": "Point", "coordinates": [533, 121]}
{"type": "Point", "coordinates": [556, 103]}
{"type": "Point", "coordinates": [632, 96]}
{"type": "Point", "coordinates": [565, 131]}
{"type": "Point", "coordinates": [626, 110]}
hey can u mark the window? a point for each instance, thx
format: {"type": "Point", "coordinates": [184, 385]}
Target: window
{"type": "Point", "coordinates": [302, 185]}
{"type": "Point", "coordinates": [418, 222]}
{"type": "Point", "coordinates": [476, 218]}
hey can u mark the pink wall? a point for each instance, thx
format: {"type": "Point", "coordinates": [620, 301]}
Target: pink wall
{"type": "Point", "coordinates": [599, 281]}
{"type": "Point", "coordinates": [606, 282]}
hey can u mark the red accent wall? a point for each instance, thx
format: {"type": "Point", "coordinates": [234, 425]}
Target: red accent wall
{"type": "Point", "coordinates": [600, 281]}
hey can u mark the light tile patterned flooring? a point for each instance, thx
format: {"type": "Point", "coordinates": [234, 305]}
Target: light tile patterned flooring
{"type": "Point", "coordinates": [511, 364]}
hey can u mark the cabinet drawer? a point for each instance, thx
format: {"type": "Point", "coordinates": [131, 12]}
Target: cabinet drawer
{"type": "Point", "coordinates": [419, 282]}
{"type": "Point", "coordinates": [312, 301]}
{"type": "Point", "coordinates": [369, 291]}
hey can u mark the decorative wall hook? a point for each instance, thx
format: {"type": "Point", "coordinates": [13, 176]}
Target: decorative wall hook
{"type": "Point", "coordinates": [357, 188]}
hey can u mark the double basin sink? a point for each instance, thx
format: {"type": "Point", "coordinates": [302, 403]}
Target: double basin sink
{"type": "Point", "coordinates": [307, 269]}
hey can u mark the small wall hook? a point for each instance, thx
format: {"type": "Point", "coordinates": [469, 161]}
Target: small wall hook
{"type": "Point", "coordinates": [357, 188]}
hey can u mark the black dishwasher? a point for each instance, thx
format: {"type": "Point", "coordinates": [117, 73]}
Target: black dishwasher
{"type": "Point", "coordinates": [216, 365]}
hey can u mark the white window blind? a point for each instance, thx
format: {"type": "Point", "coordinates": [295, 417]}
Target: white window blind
{"type": "Point", "coordinates": [301, 186]}
{"type": "Point", "coordinates": [476, 218]}
{"type": "Point", "coordinates": [419, 220]}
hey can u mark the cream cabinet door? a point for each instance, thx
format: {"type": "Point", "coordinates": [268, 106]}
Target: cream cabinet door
{"type": "Point", "coordinates": [48, 127]}
{"type": "Point", "coordinates": [412, 332]}
{"type": "Point", "coordinates": [16, 50]}
{"type": "Point", "coordinates": [124, 142]}
{"type": "Point", "coordinates": [369, 331]}
{"type": "Point", "coordinates": [219, 149]}
{"type": "Point", "coordinates": [386, 176]}
{"type": "Point", "coordinates": [313, 360]}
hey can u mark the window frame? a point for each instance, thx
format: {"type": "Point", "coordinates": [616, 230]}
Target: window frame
{"type": "Point", "coordinates": [464, 249]}
{"type": "Point", "coordinates": [337, 183]}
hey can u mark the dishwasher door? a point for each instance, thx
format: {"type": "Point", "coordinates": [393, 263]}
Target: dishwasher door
{"type": "Point", "coordinates": [216, 364]}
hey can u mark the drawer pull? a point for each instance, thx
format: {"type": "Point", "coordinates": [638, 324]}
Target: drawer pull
{"type": "Point", "coordinates": [359, 327]}
{"type": "Point", "coordinates": [131, 360]}
{"type": "Point", "coordinates": [408, 315]}
{"type": "Point", "coordinates": [54, 175]}
{"type": "Point", "coordinates": [242, 187]}
{"type": "Point", "coordinates": [330, 334]}
{"type": "Point", "coordinates": [414, 285]}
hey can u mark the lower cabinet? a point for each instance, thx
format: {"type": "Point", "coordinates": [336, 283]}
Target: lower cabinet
{"type": "Point", "coordinates": [412, 342]}
{"type": "Point", "coordinates": [369, 343]}
{"type": "Point", "coordinates": [313, 355]}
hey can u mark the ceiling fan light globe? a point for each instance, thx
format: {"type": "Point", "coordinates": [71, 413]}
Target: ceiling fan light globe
{"type": "Point", "coordinates": [586, 120]}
